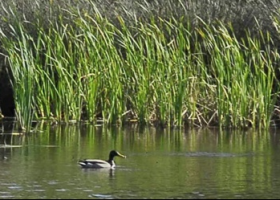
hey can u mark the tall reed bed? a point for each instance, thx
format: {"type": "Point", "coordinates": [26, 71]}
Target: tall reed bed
{"type": "Point", "coordinates": [244, 76]}
{"type": "Point", "coordinates": [164, 72]}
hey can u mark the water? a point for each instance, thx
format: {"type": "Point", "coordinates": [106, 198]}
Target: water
{"type": "Point", "coordinates": [160, 164]}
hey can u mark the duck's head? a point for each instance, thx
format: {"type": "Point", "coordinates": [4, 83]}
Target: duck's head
{"type": "Point", "coordinates": [114, 153]}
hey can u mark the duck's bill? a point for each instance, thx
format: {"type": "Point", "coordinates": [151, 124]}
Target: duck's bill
{"type": "Point", "coordinates": [122, 156]}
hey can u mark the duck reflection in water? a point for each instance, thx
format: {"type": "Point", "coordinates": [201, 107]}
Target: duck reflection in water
{"type": "Point", "coordinates": [101, 171]}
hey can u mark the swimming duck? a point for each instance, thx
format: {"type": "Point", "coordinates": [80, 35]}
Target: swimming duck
{"type": "Point", "coordinates": [95, 163]}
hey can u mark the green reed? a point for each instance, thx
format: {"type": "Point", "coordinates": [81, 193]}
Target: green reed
{"type": "Point", "coordinates": [244, 74]}
{"type": "Point", "coordinates": [165, 72]}
{"type": "Point", "coordinates": [23, 76]}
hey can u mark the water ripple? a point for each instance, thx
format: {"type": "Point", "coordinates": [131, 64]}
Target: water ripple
{"type": "Point", "coordinates": [101, 196]}
{"type": "Point", "coordinates": [213, 154]}
{"type": "Point", "coordinates": [5, 195]}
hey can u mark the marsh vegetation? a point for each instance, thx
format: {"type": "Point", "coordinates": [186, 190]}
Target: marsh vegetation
{"type": "Point", "coordinates": [163, 62]}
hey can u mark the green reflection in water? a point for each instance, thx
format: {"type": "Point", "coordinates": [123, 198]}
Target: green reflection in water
{"type": "Point", "coordinates": [160, 164]}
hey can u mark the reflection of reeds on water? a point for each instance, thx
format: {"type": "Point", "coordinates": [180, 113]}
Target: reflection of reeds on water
{"type": "Point", "coordinates": [8, 142]}
{"type": "Point", "coordinates": [10, 138]}
{"type": "Point", "coordinates": [11, 141]}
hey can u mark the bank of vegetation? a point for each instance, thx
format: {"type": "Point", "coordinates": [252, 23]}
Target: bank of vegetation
{"type": "Point", "coordinates": [161, 62]}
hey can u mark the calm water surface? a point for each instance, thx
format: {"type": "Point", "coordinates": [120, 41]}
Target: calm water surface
{"type": "Point", "coordinates": [160, 164]}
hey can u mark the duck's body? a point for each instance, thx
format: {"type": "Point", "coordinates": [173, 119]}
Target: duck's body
{"type": "Point", "coordinates": [96, 163]}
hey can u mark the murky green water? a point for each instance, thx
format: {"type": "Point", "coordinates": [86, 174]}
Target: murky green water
{"type": "Point", "coordinates": [160, 164]}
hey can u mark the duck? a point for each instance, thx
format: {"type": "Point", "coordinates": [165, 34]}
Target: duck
{"type": "Point", "coordinates": [96, 163]}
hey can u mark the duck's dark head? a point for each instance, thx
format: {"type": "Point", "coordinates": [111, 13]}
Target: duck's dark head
{"type": "Point", "coordinates": [114, 153]}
